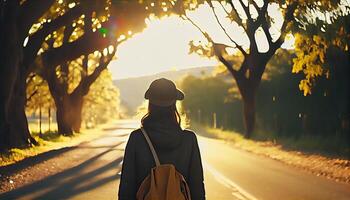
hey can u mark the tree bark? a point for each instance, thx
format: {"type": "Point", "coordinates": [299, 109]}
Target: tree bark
{"type": "Point", "coordinates": [19, 135]}
{"type": "Point", "coordinates": [10, 57]}
{"type": "Point", "coordinates": [247, 88]}
{"type": "Point", "coordinates": [78, 105]}
{"type": "Point", "coordinates": [63, 123]}
{"type": "Point", "coordinates": [248, 80]}
{"type": "Point", "coordinates": [69, 113]}
{"type": "Point", "coordinates": [249, 115]}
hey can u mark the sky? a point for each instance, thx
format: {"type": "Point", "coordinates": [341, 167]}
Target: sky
{"type": "Point", "coordinates": [164, 44]}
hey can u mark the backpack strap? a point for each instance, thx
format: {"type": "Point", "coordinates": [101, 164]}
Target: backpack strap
{"type": "Point", "coordinates": [156, 159]}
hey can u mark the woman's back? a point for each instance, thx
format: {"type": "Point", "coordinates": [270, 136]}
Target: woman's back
{"type": "Point", "coordinates": [172, 144]}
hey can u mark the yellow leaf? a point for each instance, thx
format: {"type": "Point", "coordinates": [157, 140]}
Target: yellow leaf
{"type": "Point", "coordinates": [321, 55]}
{"type": "Point", "coordinates": [317, 39]}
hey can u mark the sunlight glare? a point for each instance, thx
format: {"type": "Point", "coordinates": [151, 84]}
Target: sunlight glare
{"type": "Point", "coordinates": [164, 44]}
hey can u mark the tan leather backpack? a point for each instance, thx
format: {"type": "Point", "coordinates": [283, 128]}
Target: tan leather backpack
{"type": "Point", "coordinates": [164, 182]}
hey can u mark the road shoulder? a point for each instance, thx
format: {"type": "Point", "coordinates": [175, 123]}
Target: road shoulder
{"type": "Point", "coordinates": [332, 168]}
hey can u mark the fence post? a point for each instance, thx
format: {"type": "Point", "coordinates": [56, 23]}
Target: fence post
{"type": "Point", "coordinates": [49, 118]}
{"type": "Point", "coordinates": [199, 116]}
{"type": "Point", "coordinates": [214, 120]}
{"type": "Point", "coordinates": [40, 118]}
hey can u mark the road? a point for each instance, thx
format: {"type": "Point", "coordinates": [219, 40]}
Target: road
{"type": "Point", "coordinates": [92, 171]}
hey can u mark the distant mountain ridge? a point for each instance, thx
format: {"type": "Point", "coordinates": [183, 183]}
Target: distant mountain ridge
{"type": "Point", "coordinates": [132, 89]}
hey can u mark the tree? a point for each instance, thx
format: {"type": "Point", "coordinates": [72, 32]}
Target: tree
{"type": "Point", "coordinates": [101, 93]}
{"type": "Point", "coordinates": [205, 96]}
{"type": "Point", "coordinates": [38, 99]}
{"type": "Point", "coordinates": [26, 36]}
{"type": "Point", "coordinates": [320, 44]}
{"type": "Point", "coordinates": [252, 17]}
{"type": "Point", "coordinates": [16, 18]}
{"type": "Point", "coordinates": [69, 104]}
{"type": "Point", "coordinates": [322, 50]}
{"type": "Point", "coordinates": [25, 47]}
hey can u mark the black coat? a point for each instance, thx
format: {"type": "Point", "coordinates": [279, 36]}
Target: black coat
{"type": "Point", "coordinates": [173, 146]}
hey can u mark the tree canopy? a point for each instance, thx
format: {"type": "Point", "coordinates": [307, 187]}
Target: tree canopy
{"type": "Point", "coordinates": [250, 18]}
{"type": "Point", "coordinates": [317, 41]}
{"type": "Point", "coordinates": [45, 37]}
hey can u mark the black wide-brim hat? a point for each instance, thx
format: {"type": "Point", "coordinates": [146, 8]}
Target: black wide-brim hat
{"type": "Point", "coordinates": [163, 92]}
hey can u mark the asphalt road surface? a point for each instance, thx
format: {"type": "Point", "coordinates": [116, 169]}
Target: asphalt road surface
{"type": "Point", "coordinates": [92, 171]}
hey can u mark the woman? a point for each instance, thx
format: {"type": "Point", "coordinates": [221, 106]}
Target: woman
{"type": "Point", "coordinates": [172, 144]}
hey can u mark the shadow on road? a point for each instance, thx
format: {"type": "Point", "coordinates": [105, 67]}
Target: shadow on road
{"type": "Point", "coordinates": [31, 161]}
{"type": "Point", "coordinates": [72, 181]}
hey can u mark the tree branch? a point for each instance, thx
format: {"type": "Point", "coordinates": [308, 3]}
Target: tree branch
{"type": "Point", "coordinates": [239, 19]}
{"type": "Point", "coordinates": [223, 28]}
{"type": "Point", "coordinates": [35, 41]}
{"type": "Point", "coordinates": [246, 10]}
{"type": "Point", "coordinates": [30, 78]}
{"type": "Point", "coordinates": [287, 19]}
{"type": "Point", "coordinates": [36, 91]}
{"type": "Point", "coordinates": [206, 35]}
{"type": "Point", "coordinates": [244, 66]}
{"type": "Point", "coordinates": [87, 43]}
{"type": "Point", "coordinates": [31, 95]}
{"type": "Point", "coordinates": [223, 7]}
{"type": "Point", "coordinates": [262, 20]}
{"type": "Point", "coordinates": [251, 27]}
{"type": "Point", "coordinates": [49, 74]}
{"type": "Point", "coordinates": [257, 8]}
{"type": "Point", "coordinates": [84, 71]}
{"type": "Point", "coordinates": [85, 83]}
{"type": "Point", "coordinates": [31, 11]}
{"type": "Point", "coordinates": [68, 30]}
{"type": "Point", "coordinates": [88, 22]}
{"type": "Point", "coordinates": [265, 28]}
{"type": "Point", "coordinates": [228, 65]}
{"type": "Point", "coordinates": [265, 5]}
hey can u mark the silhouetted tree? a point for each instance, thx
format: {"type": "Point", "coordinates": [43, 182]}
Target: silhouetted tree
{"type": "Point", "coordinates": [26, 46]}
{"type": "Point", "coordinates": [251, 17]}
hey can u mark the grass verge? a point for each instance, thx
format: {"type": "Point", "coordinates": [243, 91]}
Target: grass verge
{"type": "Point", "coordinates": [336, 168]}
{"type": "Point", "coordinates": [48, 141]}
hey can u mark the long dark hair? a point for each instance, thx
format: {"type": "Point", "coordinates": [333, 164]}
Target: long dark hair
{"type": "Point", "coordinates": [162, 113]}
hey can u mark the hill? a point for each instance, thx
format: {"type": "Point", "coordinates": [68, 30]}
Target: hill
{"type": "Point", "coordinates": [132, 89]}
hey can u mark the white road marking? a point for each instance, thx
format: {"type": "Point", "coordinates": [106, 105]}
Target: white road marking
{"type": "Point", "coordinates": [238, 192]}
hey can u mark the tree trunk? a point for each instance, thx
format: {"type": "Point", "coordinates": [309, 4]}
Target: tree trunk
{"type": "Point", "coordinates": [64, 127]}
{"type": "Point", "coordinates": [247, 90]}
{"type": "Point", "coordinates": [11, 118]}
{"type": "Point", "coordinates": [78, 115]}
{"type": "Point", "coordinates": [69, 112]}
{"type": "Point", "coordinates": [248, 83]}
{"type": "Point", "coordinates": [19, 135]}
{"type": "Point", "coordinates": [249, 115]}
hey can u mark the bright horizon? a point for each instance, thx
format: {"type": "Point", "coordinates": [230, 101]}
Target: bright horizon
{"type": "Point", "coordinates": [164, 44]}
